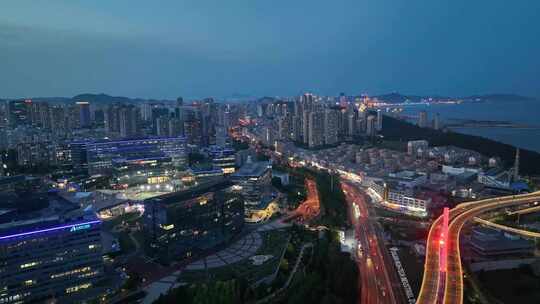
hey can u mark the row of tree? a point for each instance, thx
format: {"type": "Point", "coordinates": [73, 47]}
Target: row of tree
{"type": "Point", "coordinates": [227, 292]}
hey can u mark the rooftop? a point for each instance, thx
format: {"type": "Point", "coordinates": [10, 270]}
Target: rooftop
{"type": "Point", "coordinates": [493, 240]}
{"type": "Point", "coordinates": [175, 197]}
{"type": "Point", "coordinates": [58, 211]}
{"type": "Point", "coordinates": [252, 169]}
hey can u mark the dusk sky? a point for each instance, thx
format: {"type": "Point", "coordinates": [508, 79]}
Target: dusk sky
{"type": "Point", "coordinates": [164, 49]}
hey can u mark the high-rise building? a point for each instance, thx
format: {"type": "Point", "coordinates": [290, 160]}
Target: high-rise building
{"type": "Point", "coordinates": [516, 166]}
{"type": "Point", "coordinates": [192, 125]}
{"type": "Point", "coordinates": [297, 128]}
{"type": "Point", "coordinates": [146, 111]}
{"type": "Point", "coordinates": [316, 129]}
{"type": "Point", "coordinates": [379, 120]}
{"type": "Point", "coordinates": [56, 254]}
{"type": "Point", "coordinates": [285, 128]}
{"type": "Point", "coordinates": [221, 136]}
{"type": "Point", "coordinates": [437, 122]}
{"type": "Point", "coordinates": [351, 125]}
{"type": "Point", "coordinates": [73, 117]}
{"type": "Point", "coordinates": [112, 119]}
{"type": "Point", "coordinates": [371, 127]}
{"type": "Point", "coordinates": [45, 116]}
{"type": "Point", "coordinates": [331, 126]}
{"type": "Point", "coordinates": [268, 134]}
{"type": "Point", "coordinates": [422, 119]}
{"type": "Point", "coordinates": [84, 114]}
{"type": "Point", "coordinates": [18, 112]}
{"type": "Point", "coordinates": [305, 126]}
{"type": "Point", "coordinates": [129, 121]}
{"type": "Point", "coordinates": [57, 118]}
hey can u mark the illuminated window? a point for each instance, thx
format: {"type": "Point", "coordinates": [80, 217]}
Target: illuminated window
{"type": "Point", "coordinates": [78, 287]}
{"type": "Point", "coordinates": [74, 271]}
{"type": "Point", "coordinates": [27, 265]}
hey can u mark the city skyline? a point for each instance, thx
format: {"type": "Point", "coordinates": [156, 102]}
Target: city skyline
{"type": "Point", "coordinates": [280, 152]}
{"type": "Point", "coordinates": [203, 49]}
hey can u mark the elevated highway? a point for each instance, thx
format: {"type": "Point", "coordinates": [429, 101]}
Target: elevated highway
{"type": "Point", "coordinates": [445, 285]}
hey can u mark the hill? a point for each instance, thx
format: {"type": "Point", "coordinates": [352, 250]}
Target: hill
{"type": "Point", "coordinates": [106, 99]}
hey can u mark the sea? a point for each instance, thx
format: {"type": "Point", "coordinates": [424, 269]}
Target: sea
{"type": "Point", "coordinates": [521, 112]}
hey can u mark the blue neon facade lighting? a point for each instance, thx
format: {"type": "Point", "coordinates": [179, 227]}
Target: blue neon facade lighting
{"type": "Point", "coordinates": [72, 227]}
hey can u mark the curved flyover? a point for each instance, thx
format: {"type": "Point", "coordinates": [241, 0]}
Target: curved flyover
{"type": "Point", "coordinates": [446, 286]}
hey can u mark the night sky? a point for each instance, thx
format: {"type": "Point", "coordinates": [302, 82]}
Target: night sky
{"type": "Point", "coordinates": [164, 49]}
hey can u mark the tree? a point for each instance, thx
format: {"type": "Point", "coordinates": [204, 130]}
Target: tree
{"type": "Point", "coordinates": [284, 265]}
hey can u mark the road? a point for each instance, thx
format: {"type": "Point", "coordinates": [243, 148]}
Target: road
{"type": "Point", "coordinates": [439, 286]}
{"type": "Point", "coordinates": [378, 285]}
{"type": "Point", "coordinates": [309, 208]}
{"type": "Point", "coordinates": [522, 232]}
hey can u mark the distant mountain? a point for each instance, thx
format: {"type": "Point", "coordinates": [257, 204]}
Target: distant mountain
{"type": "Point", "coordinates": [107, 99]}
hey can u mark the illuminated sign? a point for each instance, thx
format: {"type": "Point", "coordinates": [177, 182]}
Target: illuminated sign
{"type": "Point", "coordinates": [70, 227]}
{"type": "Point", "coordinates": [79, 227]}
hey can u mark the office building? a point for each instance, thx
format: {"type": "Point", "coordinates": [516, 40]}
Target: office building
{"type": "Point", "coordinates": [254, 178]}
{"type": "Point", "coordinates": [186, 223]}
{"type": "Point", "coordinates": [55, 253]}
{"type": "Point", "coordinates": [136, 171]}
{"type": "Point", "coordinates": [223, 158]}
{"type": "Point", "coordinates": [98, 155]}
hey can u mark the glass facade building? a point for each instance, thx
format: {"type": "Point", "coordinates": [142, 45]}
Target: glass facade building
{"type": "Point", "coordinates": [50, 257]}
{"type": "Point", "coordinates": [140, 171]}
{"type": "Point", "coordinates": [99, 155]}
{"type": "Point", "coordinates": [186, 223]}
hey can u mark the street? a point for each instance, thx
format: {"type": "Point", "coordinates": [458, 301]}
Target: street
{"type": "Point", "coordinates": [377, 284]}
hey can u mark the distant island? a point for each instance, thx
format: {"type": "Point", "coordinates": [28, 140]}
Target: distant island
{"type": "Point", "coordinates": [396, 98]}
